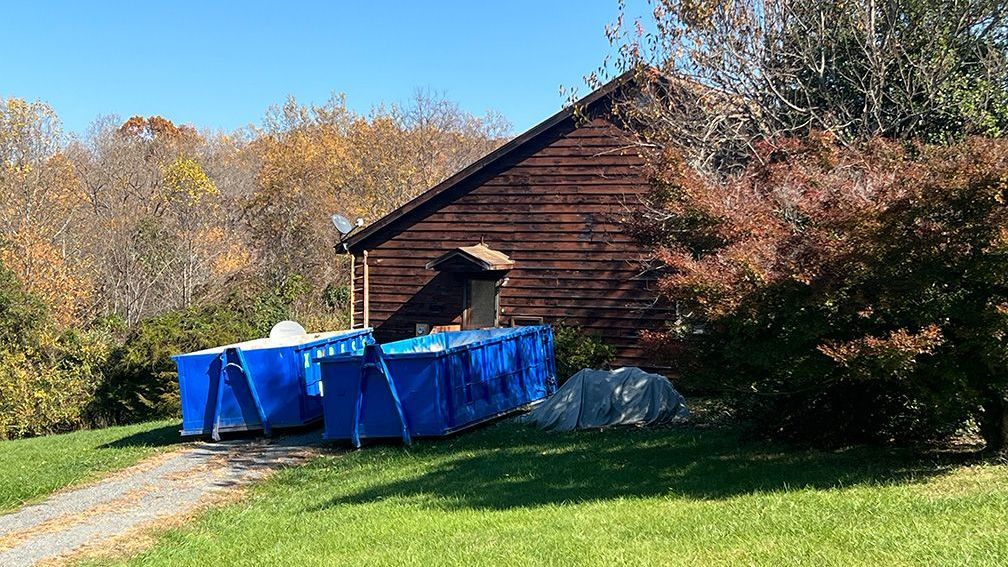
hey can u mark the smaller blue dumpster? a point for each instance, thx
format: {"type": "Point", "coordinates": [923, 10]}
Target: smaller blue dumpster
{"type": "Point", "coordinates": [259, 384]}
{"type": "Point", "coordinates": [436, 384]}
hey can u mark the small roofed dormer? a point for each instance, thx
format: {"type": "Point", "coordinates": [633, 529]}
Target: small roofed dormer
{"type": "Point", "coordinates": [476, 258]}
{"type": "Point", "coordinates": [483, 270]}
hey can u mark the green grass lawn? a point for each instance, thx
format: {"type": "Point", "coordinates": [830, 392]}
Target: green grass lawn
{"type": "Point", "coordinates": [32, 468]}
{"type": "Point", "coordinates": [508, 495]}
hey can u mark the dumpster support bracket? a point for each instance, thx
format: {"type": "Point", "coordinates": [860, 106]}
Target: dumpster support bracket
{"type": "Point", "coordinates": [243, 368]}
{"type": "Point", "coordinates": [374, 358]}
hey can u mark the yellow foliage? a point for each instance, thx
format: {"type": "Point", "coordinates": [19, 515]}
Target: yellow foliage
{"type": "Point", "coordinates": [184, 177]}
{"type": "Point", "coordinates": [40, 395]}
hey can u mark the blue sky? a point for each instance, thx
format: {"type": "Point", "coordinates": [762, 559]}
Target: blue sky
{"type": "Point", "coordinates": [220, 64]}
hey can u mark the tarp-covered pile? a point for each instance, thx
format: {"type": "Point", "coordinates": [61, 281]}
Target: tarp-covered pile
{"type": "Point", "coordinates": [598, 398]}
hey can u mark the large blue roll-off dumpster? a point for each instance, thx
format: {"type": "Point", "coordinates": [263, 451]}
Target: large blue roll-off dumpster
{"type": "Point", "coordinates": [258, 384]}
{"type": "Point", "coordinates": [435, 384]}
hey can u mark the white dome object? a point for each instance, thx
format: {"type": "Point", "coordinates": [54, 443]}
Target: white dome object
{"type": "Point", "coordinates": [286, 329]}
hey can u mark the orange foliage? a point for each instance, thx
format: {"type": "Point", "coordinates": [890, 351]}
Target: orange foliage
{"type": "Point", "coordinates": [156, 127]}
{"type": "Point", "coordinates": [45, 272]}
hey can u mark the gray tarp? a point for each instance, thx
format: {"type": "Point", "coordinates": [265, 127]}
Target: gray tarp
{"type": "Point", "coordinates": [597, 398]}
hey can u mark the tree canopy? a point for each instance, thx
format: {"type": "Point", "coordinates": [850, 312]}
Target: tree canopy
{"type": "Point", "coordinates": [725, 74]}
{"type": "Point", "coordinates": [144, 238]}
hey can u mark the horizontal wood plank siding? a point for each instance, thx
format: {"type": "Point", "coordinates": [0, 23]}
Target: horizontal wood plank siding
{"type": "Point", "coordinates": [557, 211]}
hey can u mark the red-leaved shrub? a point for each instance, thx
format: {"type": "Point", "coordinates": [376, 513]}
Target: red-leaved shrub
{"type": "Point", "coordinates": [842, 294]}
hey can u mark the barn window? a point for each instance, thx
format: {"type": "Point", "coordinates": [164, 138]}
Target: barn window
{"type": "Point", "coordinates": [482, 297]}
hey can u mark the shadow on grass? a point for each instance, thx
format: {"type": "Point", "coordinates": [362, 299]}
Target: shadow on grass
{"type": "Point", "coordinates": [509, 466]}
{"type": "Point", "coordinates": [159, 437]}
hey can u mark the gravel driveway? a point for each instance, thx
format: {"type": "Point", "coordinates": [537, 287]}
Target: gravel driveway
{"type": "Point", "coordinates": [156, 491]}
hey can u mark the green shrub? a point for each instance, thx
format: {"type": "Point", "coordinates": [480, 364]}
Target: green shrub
{"type": "Point", "coordinates": [22, 315]}
{"type": "Point", "coordinates": [49, 387]}
{"type": "Point", "coordinates": [30, 396]}
{"type": "Point", "coordinates": [141, 379]}
{"type": "Point", "coordinates": [575, 350]}
{"type": "Point", "coordinates": [141, 375]}
{"type": "Point", "coordinates": [47, 380]}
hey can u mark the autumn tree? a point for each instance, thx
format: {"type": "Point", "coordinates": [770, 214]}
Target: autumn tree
{"type": "Point", "coordinates": [157, 222]}
{"type": "Point", "coordinates": [320, 160]}
{"type": "Point", "coordinates": [40, 202]}
{"type": "Point", "coordinates": [842, 294]}
{"type": "Point", "coordinates": [719, 76]}
{"type": "Point", "coordinates": [827, 209]}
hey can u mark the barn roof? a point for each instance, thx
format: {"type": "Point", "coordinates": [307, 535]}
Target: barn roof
{"type": "Point", "coordinates": [475, 173]}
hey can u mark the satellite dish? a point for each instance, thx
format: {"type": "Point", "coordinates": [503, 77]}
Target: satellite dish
{"type": "Point", "coordinates": [342, 224]}
{"type": "Point", "coordinates": [286, 329]}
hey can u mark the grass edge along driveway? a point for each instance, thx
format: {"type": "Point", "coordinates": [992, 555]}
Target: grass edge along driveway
{"type": "Point", "coordinates": [511, 495]}
{"type": "Point", "coordinates": [33, 468]}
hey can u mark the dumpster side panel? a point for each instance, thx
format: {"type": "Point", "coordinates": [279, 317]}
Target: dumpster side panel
{"type": "Point", "coordinates": [497, 376]}
{"type": "Point", "coordinates": [195, 390]}
{"type": "Point", "coordinates": [460, 399]}
{"type": "Point", "coordinates": [378, 415]}
{"type": "Point", "coordinates": [463, 378]}
{"type": "Point", "coordinates": [339, 385]}
{"type": "Point", "coordinates": [280, 390]}
{"type": "Point", "coordinates": [415, 381]}
{"type": "Point", "coordinates": [417, 384]}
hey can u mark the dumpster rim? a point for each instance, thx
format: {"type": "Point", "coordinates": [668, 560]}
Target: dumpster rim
{"type": "Point", "coordinates": [437, 353]}
{"type": "Point", "coordinates": [297, 348]}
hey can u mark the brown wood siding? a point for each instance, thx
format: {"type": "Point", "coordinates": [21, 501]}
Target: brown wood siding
{"type": "Point", "coordinates": [557, 212]}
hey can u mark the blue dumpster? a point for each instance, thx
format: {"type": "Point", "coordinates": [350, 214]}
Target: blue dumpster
{"type": "Point", "coordinates": [259, 384]}
{"type": "Point", "coordinates": [436, 384]}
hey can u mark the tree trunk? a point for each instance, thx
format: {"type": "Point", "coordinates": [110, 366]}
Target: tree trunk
{"type": "Point", "coordinates": [994, 426]}
{"type": "Point", "coordinates": [1001, 443]}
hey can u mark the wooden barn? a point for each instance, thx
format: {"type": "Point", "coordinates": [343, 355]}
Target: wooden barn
{"type": "Point", "coordinates": [530, 233]}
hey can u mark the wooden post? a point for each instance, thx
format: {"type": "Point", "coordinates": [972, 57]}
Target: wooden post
{"type": "Point", "coordinates": [367, 298]}
{"type": "Point", "coordinates": [353, 282]}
